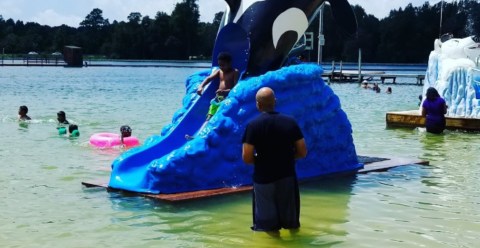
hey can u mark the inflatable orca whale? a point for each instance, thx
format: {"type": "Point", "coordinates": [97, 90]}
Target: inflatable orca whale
{"type": "Point", "coordinates": [259, 35]}
{"type": "Point", "coordinates": [271, 28]}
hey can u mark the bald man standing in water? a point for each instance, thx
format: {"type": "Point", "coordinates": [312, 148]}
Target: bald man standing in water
{"type": "Point", "coordinates": [272, 142]}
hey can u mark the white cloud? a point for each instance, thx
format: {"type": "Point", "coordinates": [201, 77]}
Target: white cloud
{"type": "Point", "coordinates": [208, 9]}
{"type": "Point", "coordinates": [382, 8]}
{"type": "Point", "coordinates": [53, 18]}
{"type": "Point", "coordinates": [119, 10]}
{"type": "Point", "coordinates": [72, 12]}
{"type": "Point", "coordinates": [10, 8]}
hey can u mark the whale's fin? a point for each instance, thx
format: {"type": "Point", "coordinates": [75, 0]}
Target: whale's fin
{"type": "Point", "coordinates": [234, 5]}
{"type": "Point", "coordinates": [344, 15]}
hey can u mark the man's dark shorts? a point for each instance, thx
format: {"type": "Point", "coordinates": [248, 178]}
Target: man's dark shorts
{"type": "Point", "coordinates": [276, 205]}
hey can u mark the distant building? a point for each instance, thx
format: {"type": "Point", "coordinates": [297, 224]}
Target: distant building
{"type": "Point", "coordinates": [73, 56]}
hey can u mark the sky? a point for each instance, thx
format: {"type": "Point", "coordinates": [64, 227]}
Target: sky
{"type": "Point", "coordinates": [72, 12]}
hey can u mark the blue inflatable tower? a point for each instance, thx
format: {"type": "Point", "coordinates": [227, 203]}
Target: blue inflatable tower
{"type": "Point", "coordinates": [170, 164]}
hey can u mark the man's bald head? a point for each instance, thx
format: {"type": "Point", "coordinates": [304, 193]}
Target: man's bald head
{"type": "Point", "coordinates": [265, 99]}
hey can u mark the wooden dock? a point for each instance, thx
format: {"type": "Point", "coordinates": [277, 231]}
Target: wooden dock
{"type": "Point", "coordinates": [371, 164]}
{"type": "Point", "coordinates": [353, 76]}
{"type": "Point", "coordinates": [413, 119]}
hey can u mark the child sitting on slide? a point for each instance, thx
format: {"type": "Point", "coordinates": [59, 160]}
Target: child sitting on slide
{"type": "Point", "coordinates": [228, 77]}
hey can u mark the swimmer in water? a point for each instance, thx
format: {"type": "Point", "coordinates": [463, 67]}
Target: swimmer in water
{"type": "Point", "coordinates": [73, 130]}
{"type": "Point", "coordinates": [62, 123]}
{"type": "Point", "coordinates": [61, 118]}
{"type": "Point", "coordinates": [22, 113]}
{"type": "Point", "coordinates": [125, 131]}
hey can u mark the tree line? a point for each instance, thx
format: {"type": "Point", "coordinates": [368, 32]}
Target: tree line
{"type": "Point", "coordinates": [406, 35]}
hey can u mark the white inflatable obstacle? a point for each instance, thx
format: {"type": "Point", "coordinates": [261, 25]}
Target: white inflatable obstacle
{"type": "Point", "coordinates": [453, 69]}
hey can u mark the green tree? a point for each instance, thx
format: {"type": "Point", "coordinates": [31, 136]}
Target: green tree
{"type": "Point", "coordinates": [474, 18]}
{"type": "Point", "coordinates": [398, 30]}
{"type": "Point", "coordinates": [134, 17]}
{"type": "Point", "coordinates": [94, 32]}
{"type": "Point", "coordinates": [94, 20]}
{"type": "Point", "coordinates": [454, 19]}
{"type": "Point", "coordinates": [406, 35]}
{"type": "Point", "coordinates": [367, 37]}
{"type": "Point", "coordinates": [184, 25]}
{"type": "Point", "coordinates": [62, 36]}
{"type": "Point", "coordinates": [208, 32]}
{"type": "Point", "coordinates": [334, 37]}
{"type": "Point", "coordinates": [2, 27]}
{"type": "Point", "coordinates": [159, 32]}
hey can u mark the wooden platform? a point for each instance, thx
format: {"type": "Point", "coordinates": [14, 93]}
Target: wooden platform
{"type": "Point", "coordinates": [353, 75]}
{"type": "Point", "coordinates": [412, 118]}
{"type": "Point", "coordinates": [371, 164]}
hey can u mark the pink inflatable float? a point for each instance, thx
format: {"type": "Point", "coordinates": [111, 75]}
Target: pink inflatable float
{"type": "Point", "coordinates": [105, 140]}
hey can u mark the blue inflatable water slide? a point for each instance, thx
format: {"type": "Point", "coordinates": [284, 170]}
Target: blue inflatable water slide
{"type": "Point", "coordinates": [168, 163]}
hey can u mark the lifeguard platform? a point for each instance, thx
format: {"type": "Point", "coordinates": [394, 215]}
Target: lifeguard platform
{"type": "Point", "coordinates": [73, 56]}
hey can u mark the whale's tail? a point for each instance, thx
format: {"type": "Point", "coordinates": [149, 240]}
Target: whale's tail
{"type": "Point", "coordinates": [344, 15]}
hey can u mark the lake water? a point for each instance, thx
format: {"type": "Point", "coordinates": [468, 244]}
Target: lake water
{"type": "Point", "coordinates": [43, 203]}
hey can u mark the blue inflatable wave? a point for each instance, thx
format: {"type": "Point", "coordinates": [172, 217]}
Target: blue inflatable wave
{"type": "Point", "coordinates": [170, 164]}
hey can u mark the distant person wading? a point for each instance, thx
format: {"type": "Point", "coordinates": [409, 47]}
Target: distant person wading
{"type": "Point", "coordinates": [434, 109]}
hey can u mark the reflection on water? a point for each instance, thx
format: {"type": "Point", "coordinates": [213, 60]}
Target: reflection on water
{"type": "Point", "coordinates": [325, 210]}
{"type": "Point", "coordinates": [434, 146]}
{"type": "Point", "coordinates": [23, 125]}
{"type": "Point", "coordinates": [226, 220]}
{"type": "Point", "coordinates": [44, 205]}
{"type": "Point", "coordinates": [427, 213]}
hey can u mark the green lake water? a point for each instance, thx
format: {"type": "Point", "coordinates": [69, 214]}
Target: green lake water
{"type": "Point", "coordinates": [43, 203]}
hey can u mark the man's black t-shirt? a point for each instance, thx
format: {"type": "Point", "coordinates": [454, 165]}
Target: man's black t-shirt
{"type": "Point", "coordinates": [273, 135]}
